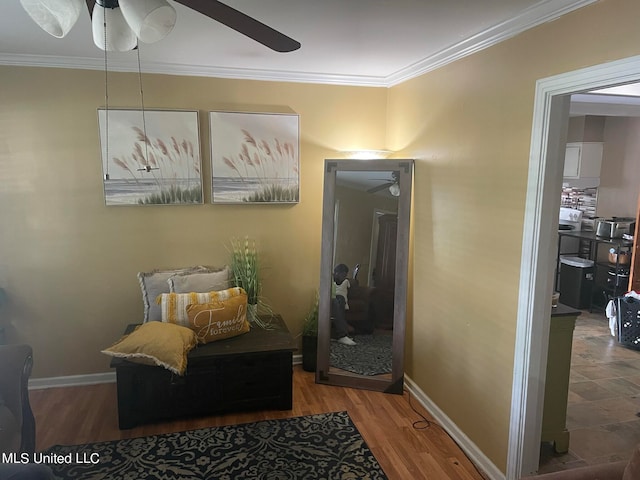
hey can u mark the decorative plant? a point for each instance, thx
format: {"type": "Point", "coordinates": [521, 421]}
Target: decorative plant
{"type": "Point", "coordinates": [245, 271]}
{"type": "Point", "coordinates": [310, 337]}
{"type": "Point", "coordinates": [244, 267]}
{"type": "Point", "coordinates": [310, 323]}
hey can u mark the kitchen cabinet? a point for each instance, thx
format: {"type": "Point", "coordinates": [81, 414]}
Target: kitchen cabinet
{"type": "Point", "coordinates": [556, 388]}
{"type": "Point", "coordinates": [583, 160]}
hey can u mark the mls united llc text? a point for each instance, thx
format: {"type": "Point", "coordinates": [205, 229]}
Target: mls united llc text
{"type": "Point", "coordinates": [52, 458]}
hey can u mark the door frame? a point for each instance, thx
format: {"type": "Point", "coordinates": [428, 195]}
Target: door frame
{"type": "Point", "coordinates": [373, 250]}
{"type": "Point", "coordinates": [546, 158]}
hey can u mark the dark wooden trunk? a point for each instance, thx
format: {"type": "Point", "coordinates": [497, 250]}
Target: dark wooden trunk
{"type": "Point", "coordinates": [247, 372]}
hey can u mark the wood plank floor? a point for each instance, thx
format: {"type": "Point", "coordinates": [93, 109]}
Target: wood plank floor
{"type": "Point", "coordinates": [77, 415]}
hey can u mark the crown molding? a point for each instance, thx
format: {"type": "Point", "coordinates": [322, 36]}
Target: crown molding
{"type": "Point", "coordinates": [85, 63]}
{"type": "Point", "coordinates": [545, 11]}
{"type": "Point", "coordinates": [536, 15]}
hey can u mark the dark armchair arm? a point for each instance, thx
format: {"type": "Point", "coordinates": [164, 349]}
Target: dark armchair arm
{"type": "Point", "coordinates": [15, 368]}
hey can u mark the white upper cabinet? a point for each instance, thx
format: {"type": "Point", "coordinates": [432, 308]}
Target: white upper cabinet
{"type": "Point", "coordinates": [583, 160]}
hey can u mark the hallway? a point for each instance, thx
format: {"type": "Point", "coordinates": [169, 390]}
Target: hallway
{"type": "Point", "coordinates": [603, 413]}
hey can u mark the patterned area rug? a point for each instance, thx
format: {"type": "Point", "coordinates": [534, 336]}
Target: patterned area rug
{"type": "Point", "coordinates": [371, 355]}
{"type": "Point", "coordinates": [326, 446]}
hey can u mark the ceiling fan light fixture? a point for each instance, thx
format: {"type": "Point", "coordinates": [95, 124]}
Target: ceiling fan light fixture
{"type": "Point", "coordinates": [56, 17]}
{"type": "Point", "coordinates": [394, 190]}
{"type": "Point", "coordinates": [119, 36]}
{"type": "Point", "coordinates": [150, 20]}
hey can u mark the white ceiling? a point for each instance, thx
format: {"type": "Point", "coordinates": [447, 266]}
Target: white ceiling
{"type": "Point", "coordinates": [352, 42]}
{"type": "Point", "coordinates": [365, 180]}
{"type": "Point", "coordinates": [617, 101]}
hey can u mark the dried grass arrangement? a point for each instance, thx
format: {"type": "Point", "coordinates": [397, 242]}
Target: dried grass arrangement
{"type": "Point", "coordinates": [245, 271]}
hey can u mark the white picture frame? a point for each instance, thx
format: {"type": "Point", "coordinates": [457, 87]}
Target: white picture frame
{"type": "Point", "coordinates": [254, 157]}
{"type": "Point", "coordinates": [150, 157]}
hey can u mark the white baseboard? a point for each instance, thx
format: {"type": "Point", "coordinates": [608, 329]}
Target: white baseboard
{"type": "Point", "coordinates": [72, 380]}
{"type": "Point", "coordinates": [467, 446]}
{"type": "Point", "coordinates": [90, 379]}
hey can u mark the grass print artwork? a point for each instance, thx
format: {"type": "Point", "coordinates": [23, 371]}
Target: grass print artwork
{"type": "Point", "coordinates": [155, 162]}
{"type": "Point", "coordinates": [254, 157]}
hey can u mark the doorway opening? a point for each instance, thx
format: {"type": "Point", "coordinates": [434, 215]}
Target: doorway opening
{"type": "Point", "coordinates": [375, 243]}
{"type": "Point", "coordinates": [548, 142]}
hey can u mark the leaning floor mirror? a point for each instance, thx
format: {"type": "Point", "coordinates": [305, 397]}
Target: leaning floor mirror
{"type": "Point", "coordinates": [363, 273]}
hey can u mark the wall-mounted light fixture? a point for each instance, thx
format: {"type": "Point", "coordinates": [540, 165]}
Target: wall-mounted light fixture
{"type": "Point", "coordinates": [366, 154]}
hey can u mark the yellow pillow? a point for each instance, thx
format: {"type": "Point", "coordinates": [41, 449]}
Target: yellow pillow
{"type": "Point", "coordinates": [220, 319]}
{"type": "Point", "coordinates": [156, 343]}
{"type": "Point", "coordinates": [173, 306]}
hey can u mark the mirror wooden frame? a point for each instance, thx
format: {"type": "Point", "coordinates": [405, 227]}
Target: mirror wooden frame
{"type": "Point", "coordinates": [324, 374]}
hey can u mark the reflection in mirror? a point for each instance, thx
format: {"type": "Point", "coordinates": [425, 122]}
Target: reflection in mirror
{"type": "Point", "coordinates": [363, 273]}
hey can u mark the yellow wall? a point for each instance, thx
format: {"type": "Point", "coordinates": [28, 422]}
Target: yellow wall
{"type": "Point", "coordinates": [468, 125]}
{"type": "Point", "coordinates": [69, 263]}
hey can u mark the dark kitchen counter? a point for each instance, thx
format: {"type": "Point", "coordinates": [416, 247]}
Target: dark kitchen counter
{"type": "Point", "coordinates": [556, 392]}
{"type": "Point", "coordinates": [592, 237]}
{"type": "Point", "coordinates": [603, 268]}
{"type": "Point", "coordinates": [563, 310]}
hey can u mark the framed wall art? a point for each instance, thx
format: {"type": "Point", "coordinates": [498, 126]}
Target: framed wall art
{"type": "Point", "coordinates": [152, 159]}
{"type": "Point", "coordinates": [254, 157]}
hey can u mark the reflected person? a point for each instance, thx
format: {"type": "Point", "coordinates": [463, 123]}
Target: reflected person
{"type": "Point", "coordinates": [340, 304]}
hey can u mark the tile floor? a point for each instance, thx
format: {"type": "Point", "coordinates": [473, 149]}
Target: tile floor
{"type": "Point", "coordinates": [603, 413]}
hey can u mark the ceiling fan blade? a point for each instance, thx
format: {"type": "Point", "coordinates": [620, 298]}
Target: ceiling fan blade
{"type": "Point", "coordinates": [243, 24]}
{"type": "Point", "coordinates": [380, 187]}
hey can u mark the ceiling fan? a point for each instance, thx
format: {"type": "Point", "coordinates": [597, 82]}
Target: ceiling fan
{"type": "Point", "coordinates": [123, 22]}
{"type": "Point", "coordinates": [392, 184]}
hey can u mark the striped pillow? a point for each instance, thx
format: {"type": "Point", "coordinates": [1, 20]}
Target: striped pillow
{"type": "Point", "coordinates": [155, 283]}
{"type": "Point", "coordinates": [173, 306]}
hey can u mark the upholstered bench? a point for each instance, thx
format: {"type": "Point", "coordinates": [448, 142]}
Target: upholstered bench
{"type": "Point", "coordinates": [248, 372]}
